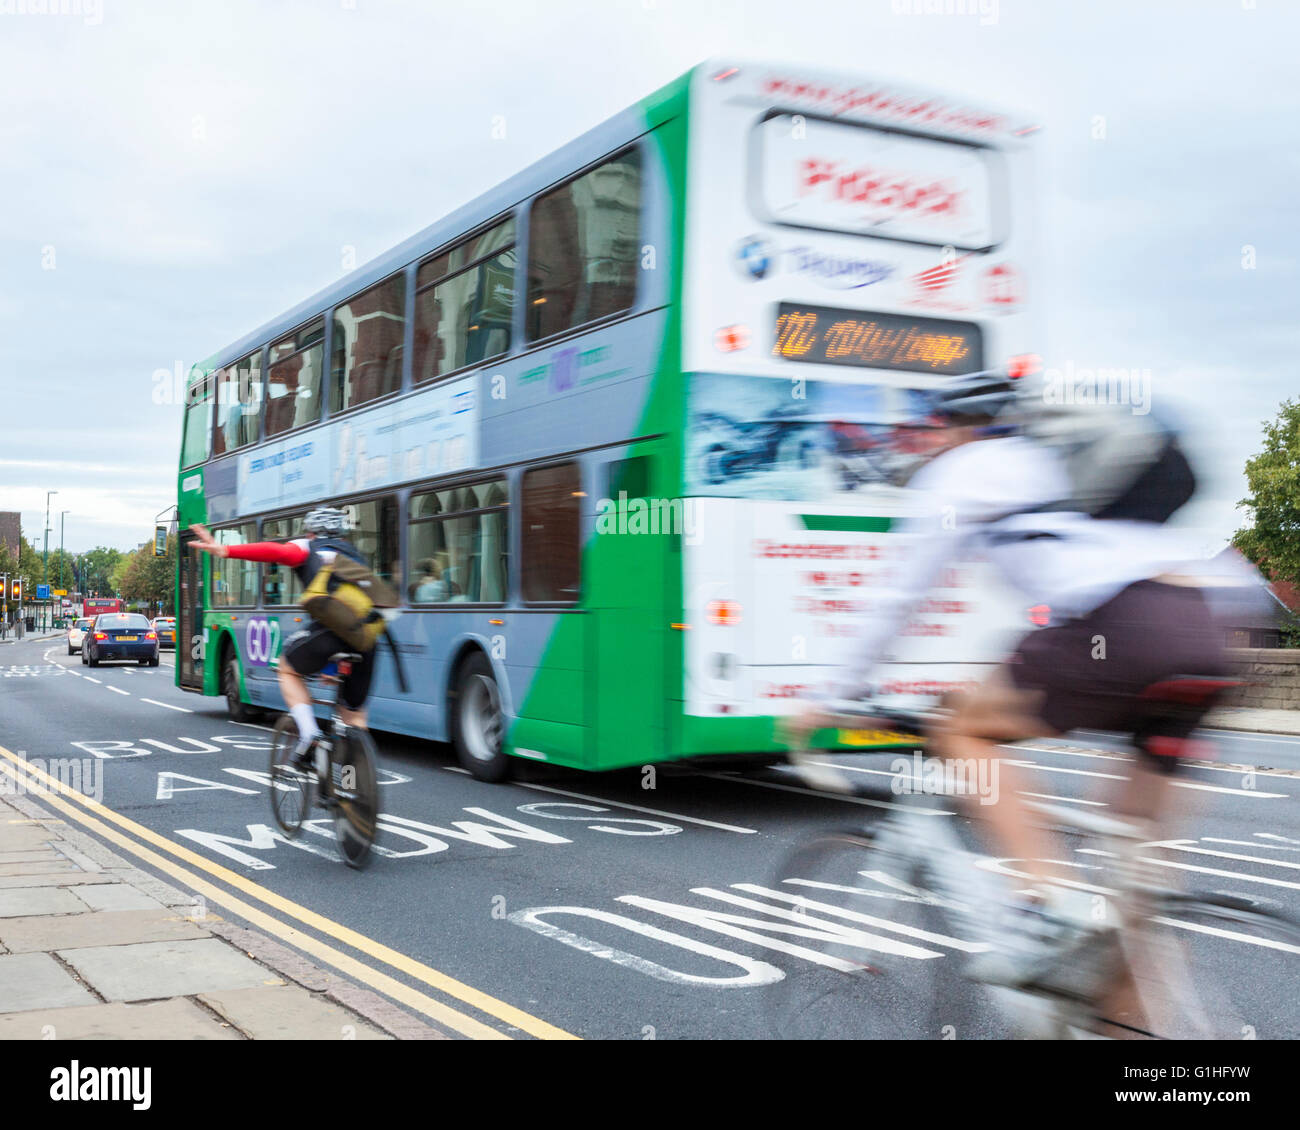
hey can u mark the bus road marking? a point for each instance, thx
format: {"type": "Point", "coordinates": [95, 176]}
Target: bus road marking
{"type": "Point", "coordinates": [642, 808]}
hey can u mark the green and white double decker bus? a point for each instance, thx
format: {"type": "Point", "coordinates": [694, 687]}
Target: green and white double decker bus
{"type": "Point", "coordinates": [619, 429]}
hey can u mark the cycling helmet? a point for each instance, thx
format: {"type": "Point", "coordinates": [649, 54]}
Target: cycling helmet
{"type": "Point", "coordinates": [326, 520]}
{"type": "Point", "coordinates": [975, 397]}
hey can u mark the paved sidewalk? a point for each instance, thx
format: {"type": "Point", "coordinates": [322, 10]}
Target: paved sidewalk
{"type": "Point", "coordinates": [1255, 721]}
{"type": "Point", "coordinates": [92, 948]}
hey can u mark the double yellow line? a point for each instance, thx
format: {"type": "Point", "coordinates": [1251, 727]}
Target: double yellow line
{"type": "Point", "coordinates": [54, 792]}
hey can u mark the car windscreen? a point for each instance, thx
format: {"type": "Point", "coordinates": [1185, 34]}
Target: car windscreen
{"type": "Point", "coordinates": [120, 621]}
{"type": "Point", "coordinates": [82, 625]}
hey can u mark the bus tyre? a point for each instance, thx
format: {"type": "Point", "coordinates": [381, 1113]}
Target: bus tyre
{"type": "Point", "coordinates": [236, 707]}
{"type": "Point", "coordinates": [477, 725]}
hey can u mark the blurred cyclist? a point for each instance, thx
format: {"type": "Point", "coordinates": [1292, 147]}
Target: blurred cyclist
{"type": "Point", "coordinates": [1126, 604]}
{"type": "Point", "coordinates": [308, 651]}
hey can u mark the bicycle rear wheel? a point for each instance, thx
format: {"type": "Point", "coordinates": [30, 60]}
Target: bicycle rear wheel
{"type": "Point", "coordinates": [1208, 967]}
{"type": "Point", "coordinates": [877, 958]}
{"type": "Point", "coordinates": [356, 787]}
{"type": "Point", "coordinates": [291, 785]}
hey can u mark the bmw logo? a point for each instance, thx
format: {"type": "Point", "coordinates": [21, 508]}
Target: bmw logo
{"type": "Point", "coordinates": [754, 257]}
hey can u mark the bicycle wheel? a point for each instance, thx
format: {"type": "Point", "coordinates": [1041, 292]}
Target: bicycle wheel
{"type": "Point", "coordinates": [291, 786]}
{"type": "Point", "coordinates": [356, 787]}
{"type": "Point", "coordinates": [1207, 967]}
{"type": "Point", "coordinates": [876, 957]}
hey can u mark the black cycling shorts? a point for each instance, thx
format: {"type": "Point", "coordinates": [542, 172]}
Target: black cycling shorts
{"type": "Point", "coordinates": [1093, 670]}
{"type": "Point", "coordinates": [309, 651]}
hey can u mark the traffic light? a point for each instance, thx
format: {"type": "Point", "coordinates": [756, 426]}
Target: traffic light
{"type": "Point", "coordinates": [16, 591]}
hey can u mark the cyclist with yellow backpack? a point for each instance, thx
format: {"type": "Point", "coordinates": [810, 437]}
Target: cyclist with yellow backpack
{"type": "Point", "coordinates": [344, 599]}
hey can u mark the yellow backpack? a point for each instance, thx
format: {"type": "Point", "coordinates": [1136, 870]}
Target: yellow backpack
{"type": "Point", "coordinates": [345, 597]}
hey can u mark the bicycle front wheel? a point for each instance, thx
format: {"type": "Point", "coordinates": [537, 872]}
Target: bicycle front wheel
{"type": "Point", "coordinates": [291, 784]}
{"type": "Point", "coordinates": [873, 954]}
{"type": "Point", "coordinates": [1207, 967]}
{"type": "Point", "coordinates": [356, 787]}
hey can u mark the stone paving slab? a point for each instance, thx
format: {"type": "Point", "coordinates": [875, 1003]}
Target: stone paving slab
{"type": "Point", "coordinates": [35, 980]}
{"type": "Point", "coordinates": [118, 896]}
{"type": "Point", "coordinates": [149, 970]}
{"type": "Point", "coordinates": [17, 836]}
{"type": "Point", "coordinates": [178, 1019]}
{"type": "Point", "coordinates": [54, 879]}
{"type": "Point", "coordinates": [31, 855]}
{"type": "Point", "coordinates": [288, 1013]}
{"type": "Point", "coordinates": [97, 928]}
{"type": "Point", "coordinates": [39, 868]}
{"type": "Point", "coordinates": [22, 902]}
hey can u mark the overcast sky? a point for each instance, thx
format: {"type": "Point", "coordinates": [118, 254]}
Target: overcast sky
{"type": "Point", "coordinates": [175, 173]}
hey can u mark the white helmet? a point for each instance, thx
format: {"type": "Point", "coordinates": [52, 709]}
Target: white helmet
{"type": "Point", "coordinates": [328, 520]}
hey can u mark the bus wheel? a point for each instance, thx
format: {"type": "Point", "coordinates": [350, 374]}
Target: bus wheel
{"type": "Point", "coordinates": [478, 726]}
{"type": "Point", "coordinates": [236, 707]}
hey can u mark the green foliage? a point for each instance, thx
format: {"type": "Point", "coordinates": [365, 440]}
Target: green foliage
{"type": "Point", "coordinates": [97, 567]}
{"type": "Point", "coordinates": [150, 579]}
{"type": "Point", "coordinates": [1272, 539]}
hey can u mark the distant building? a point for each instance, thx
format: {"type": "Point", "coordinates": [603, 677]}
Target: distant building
{"type": "Point", "coordinates": [11, 530]}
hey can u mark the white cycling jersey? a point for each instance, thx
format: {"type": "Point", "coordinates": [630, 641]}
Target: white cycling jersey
{"type": "Point", "coordinates": [978, 499]}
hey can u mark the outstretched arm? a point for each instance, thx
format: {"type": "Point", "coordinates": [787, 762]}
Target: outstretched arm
{"type": "Point", "coordinates": [272, 552]}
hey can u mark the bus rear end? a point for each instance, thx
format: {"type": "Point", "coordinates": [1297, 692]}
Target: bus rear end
{"type": "Point", "coordinates": [850, 246]}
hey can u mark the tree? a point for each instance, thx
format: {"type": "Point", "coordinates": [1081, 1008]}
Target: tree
{"type": "Point", "coordinates": [1272, 539]}
{"type": "Point", "coordinates": [97, 567]}
{"type": "Point", "coordinates": [151, 579]}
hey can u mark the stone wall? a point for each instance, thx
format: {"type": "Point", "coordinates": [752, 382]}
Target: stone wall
{"type": "Point", "coordinates": [1272, 676]}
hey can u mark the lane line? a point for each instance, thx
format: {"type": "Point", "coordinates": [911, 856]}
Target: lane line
{"type": "Point", "coordinates": [167, 705]}
{"type": "Point", "coordinates": [1218, 872]}
{"type": "Point", "coordinates": [417, 970]}
{"type": "Point", "coordinates": [119, 690]}
{"type": "Point", "coordinates": [94, 680]}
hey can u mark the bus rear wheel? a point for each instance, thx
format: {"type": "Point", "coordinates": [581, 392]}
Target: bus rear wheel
{"type": "Point", "coordinates": [478, 727]}
{"type": "Point", "coordinates": [236, 707]}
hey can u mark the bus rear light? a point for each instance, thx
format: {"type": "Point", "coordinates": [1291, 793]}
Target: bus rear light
{"type": "Point", "coordinates": [729, 339]}
{"type": "Point", "coordinates": [1025, 365]}
{"type": "Point", "coordinates": [724, 612]}
{"type": "Point", "coordinates": [1040, 615]}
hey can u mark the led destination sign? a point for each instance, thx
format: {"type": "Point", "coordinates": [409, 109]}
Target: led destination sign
{"type": "Point", "coordinates": [828, 336]}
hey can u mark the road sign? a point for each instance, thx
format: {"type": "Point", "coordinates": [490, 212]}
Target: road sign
{"type": "Point", "coordinates": [42, 592]}
{"type": "Point", "coordinates": [60, 592]}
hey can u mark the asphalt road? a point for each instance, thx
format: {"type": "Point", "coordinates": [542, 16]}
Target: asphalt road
{"type": "Point", "coordinates": [628, 906]}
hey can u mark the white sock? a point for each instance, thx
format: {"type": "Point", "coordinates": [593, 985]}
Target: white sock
{"type": "Point", "coordinates": [308, 731]}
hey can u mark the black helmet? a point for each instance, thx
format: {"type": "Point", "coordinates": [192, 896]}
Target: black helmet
{"type": "Point", "coordinates": [975, 397]}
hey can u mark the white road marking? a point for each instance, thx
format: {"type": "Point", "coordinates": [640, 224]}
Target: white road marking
{"type": "Point", "coordinates": [1239, 876]}
{"type": "Point", "coordinates": [118, 690]}
{"type": "Point", "coordinates": [167, 705]}
{"type": "Point", "coordinates": [1232, 935]}
{"type": "Point", "coordinates": [1067, 799]}
{"type": "Point", "coordinates": [640, 808]}
{"type": "Point", "coordinates": [738, 780]}
{"type": "Point", "coordinates": [1181, 845]}
{"type": "Point", "coordinates": [1062, 769]}
{"type": "Point", "coordinates": [1234, 792]}
{"type": "Point", "coordinates": [92, 680]}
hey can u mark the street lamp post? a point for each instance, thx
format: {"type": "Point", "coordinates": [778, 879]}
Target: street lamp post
{"type": "Point", "coordinates": [62, 518]}
{"type": "Point", "coordinates": [45, 564]}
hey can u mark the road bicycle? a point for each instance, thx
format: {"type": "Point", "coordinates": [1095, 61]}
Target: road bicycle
{"type": "Point", "coordinates": [891, 921]}
{"type": "Point", "coordinates": [350, 789]}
